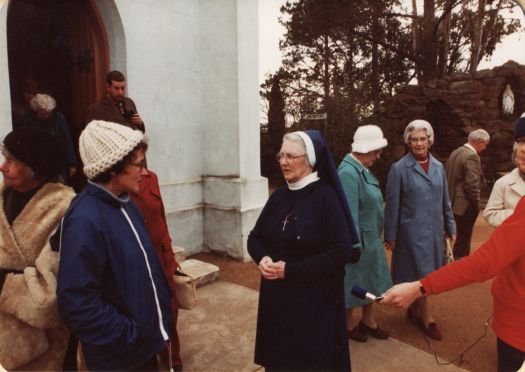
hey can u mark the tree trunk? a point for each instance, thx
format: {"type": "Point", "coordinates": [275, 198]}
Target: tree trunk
{"type": "Point", "coordinates": [428, 47]}
{"type": "Point", "coordinates": [444, 46]}
{"type": "Point", "coordinates": [416, 36]}
{"type": "Point", "coordinates": [478, 34]}
{"type": "Point", "coordinates": [376, 34]}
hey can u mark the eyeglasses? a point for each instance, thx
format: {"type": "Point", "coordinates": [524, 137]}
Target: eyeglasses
{"type": "Point", "coordinates": [288, 157]}
{"type": "Point", "coordinates": [141, 165]}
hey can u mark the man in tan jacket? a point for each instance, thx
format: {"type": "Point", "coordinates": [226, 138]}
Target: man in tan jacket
{"type": "Point", "coordinates": [463, 169]}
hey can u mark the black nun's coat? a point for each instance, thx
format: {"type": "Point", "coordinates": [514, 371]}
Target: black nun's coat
{"type": "Point", "coordinates": [301, 323]}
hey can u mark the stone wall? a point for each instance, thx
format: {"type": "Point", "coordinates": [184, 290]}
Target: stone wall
{"type": "Point", "coordinates": [458, 104]}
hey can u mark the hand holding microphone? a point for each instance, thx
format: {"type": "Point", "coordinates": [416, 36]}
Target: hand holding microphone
{"type": "Point", "coordinates": [363, 294]}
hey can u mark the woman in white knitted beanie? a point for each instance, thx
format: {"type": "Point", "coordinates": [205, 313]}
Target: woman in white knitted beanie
{"type": "Point", "coordinates": [112, 292]}
{"type": "Point", "coordinates": [107, 149]}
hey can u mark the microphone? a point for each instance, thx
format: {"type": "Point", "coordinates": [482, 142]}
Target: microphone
{"type": "Point", "coordinates": [363, 294]}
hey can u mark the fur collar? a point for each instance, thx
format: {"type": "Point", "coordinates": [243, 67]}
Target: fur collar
{"type": "Point", "coordinates": [21, 243]}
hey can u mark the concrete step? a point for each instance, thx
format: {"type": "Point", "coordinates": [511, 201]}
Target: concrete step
{"type": "Point", "coordinates": [202, 271]}
{"type": "Point", "coordinates": [179, 252]}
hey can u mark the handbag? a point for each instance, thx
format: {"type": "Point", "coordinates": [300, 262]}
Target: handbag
{"type": "Point", "coordinates": [185, 290]}
{"type": "Point", "coordinates": [449, 254]}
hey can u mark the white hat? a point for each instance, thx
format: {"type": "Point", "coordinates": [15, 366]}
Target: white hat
{"type": "Point", "coordinates": [368, 138]}
{"type": "Point", "coordinates": [103, 144]}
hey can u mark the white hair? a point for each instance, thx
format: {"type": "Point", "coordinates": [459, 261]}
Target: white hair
{"type": "Point", "coordinates": [418, 125]}
{"type": "Point", "coordinates": [43, 102]}
{"type": "Point", "coordinates": [517, 146]}
{"type": "Point", "coordinates": [479, 135]}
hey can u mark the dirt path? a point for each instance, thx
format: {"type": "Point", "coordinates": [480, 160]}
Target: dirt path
{"type": "Point", "coordinates": [461, 314]}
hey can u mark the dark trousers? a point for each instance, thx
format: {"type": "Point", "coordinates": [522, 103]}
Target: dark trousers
{"type": "Point", "coordinates": [464, 227]}
{"type": "Point", "coordinates": [150, 365]}
{"type": "Point", "coordinates": [70, 359]}
{"type": "Point", "coordinates": [510, 359]}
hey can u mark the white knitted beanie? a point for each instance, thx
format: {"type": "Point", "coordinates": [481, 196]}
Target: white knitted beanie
{"type": "Point", "coordinates": [103, 144]}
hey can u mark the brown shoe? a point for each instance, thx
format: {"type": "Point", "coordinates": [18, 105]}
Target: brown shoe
{"type": "Point", "coordinates": [432, 331]}
{"type": "Point", "coordinates": [357, 335]}
{"type": "Point", "coordinates": [415, 319]}
{"type": "Point", "coordinates": [377, 332]}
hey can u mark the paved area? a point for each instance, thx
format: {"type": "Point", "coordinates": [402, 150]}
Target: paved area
{"type": "Point", "coordinates": [219, 335]}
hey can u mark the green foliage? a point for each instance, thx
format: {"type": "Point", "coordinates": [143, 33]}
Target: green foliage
{"type": "Point", "coordinates": [271, 138]}
{"type": "Point", "coordinates": [462, 33]}
{"type": "Point", "coordinates": [345, 57]}
{"type": "Point", "coordinates": [339, 60]}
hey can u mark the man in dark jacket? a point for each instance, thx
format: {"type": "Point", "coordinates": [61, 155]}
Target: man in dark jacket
{"type": "Point", "coordinates": [115, 107]}
{"type": "Point", "coordinates": [111, 289]}
{"type": "Point", "coordinates": [463, 169]}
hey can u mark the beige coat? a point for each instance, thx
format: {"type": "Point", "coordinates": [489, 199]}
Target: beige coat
{"type": "Point", "coordinates": [505, 195]}
{"type": "Point", "coordinates": [32, 335]}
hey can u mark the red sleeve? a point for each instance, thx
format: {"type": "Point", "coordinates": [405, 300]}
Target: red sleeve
{"type": "Point", "coordinates": [504, 247]}
{"type": "Point", "coordinates": [149, 201]}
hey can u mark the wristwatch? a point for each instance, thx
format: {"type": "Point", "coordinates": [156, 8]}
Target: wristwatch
{"type": "Point", "coordinates": [422, 289]}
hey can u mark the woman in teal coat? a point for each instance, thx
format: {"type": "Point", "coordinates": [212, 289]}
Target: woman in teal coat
{"type": "Point", "coordinates": [366, 203]}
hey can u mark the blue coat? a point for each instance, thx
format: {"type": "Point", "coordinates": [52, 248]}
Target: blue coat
{"type": "Point", "coordinates": [418, 213]}
{"type": "Point", "coordinates": [366, 203]}
{"type": "Point", "coordinates": [301, 322]}
{"type": "Point", "coordinates": [105, 292]}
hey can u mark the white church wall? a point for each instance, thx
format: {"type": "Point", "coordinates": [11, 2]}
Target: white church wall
{"type": "Point", "coordinates": [163, 76]}
{"type": "Point", "coordinates": [5, 95]}
{"type": "Point", "coordinates": [115, 34]}
{"type": "Point", "coordinates": [233, 190]}
{"type": "Point", "coordinates": [163, 73]}
{"type": "Point", "coordinates": [191, 68]}
{"type": "Point", "coordinates": [248, 67]}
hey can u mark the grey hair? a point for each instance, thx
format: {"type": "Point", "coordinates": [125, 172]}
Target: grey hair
{"type": "Point", "coordinates": [479, 135]}
{"type": "Point", "coordinates": [418, 125]}
{"type": "Point", "coordinates": [43, 102]}
{"type": "Point", "coordinates": [515, 148]}
{"type": "Point", "coordinates": [295, 138]}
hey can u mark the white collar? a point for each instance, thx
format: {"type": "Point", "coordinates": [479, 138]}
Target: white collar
{"type": "Point", "coordinates": [359, 161]}
{"type": "Point", "coordinates": [303, 182]}
{"type": "Point", "coordinates": [468, 145]}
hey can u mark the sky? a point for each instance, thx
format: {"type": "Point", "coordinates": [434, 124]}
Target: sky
{"type": "Point", "coordinates": [270, 31]}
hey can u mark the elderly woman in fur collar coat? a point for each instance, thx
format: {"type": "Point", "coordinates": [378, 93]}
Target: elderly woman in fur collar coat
{"type": "Point", "coordinates": [32, 336]}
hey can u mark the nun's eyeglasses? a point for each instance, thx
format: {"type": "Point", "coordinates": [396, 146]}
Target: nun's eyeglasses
{"type": "Point", "coordinates": [288, 157]}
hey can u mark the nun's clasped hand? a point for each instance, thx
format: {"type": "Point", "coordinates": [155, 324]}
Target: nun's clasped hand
{"type": "Point", "coordinates": [271, 270]}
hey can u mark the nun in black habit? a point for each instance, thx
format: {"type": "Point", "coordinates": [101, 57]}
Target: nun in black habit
{"type": "Point", "coordinates": [302, 240]}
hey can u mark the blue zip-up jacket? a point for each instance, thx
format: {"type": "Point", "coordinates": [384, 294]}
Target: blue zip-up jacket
{"type": "Point", "coordinates": [111, 291]}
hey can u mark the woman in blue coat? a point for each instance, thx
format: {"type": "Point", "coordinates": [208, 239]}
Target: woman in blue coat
{"type": "Point", "coordinates": [301, 242]}
{"type": "Point", "coordinates": [418, 215]}
{"type": "Point", "coordinates": [366, 203]}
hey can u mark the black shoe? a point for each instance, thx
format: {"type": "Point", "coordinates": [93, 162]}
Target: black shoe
{"type": "Point", "coordinates": [357, 335]}
{"type": "Point", "coordinates": [377, 332]}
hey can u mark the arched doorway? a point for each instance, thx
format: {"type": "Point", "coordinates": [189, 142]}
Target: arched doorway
{"type": "Point", "coordinates": [62, 44]}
